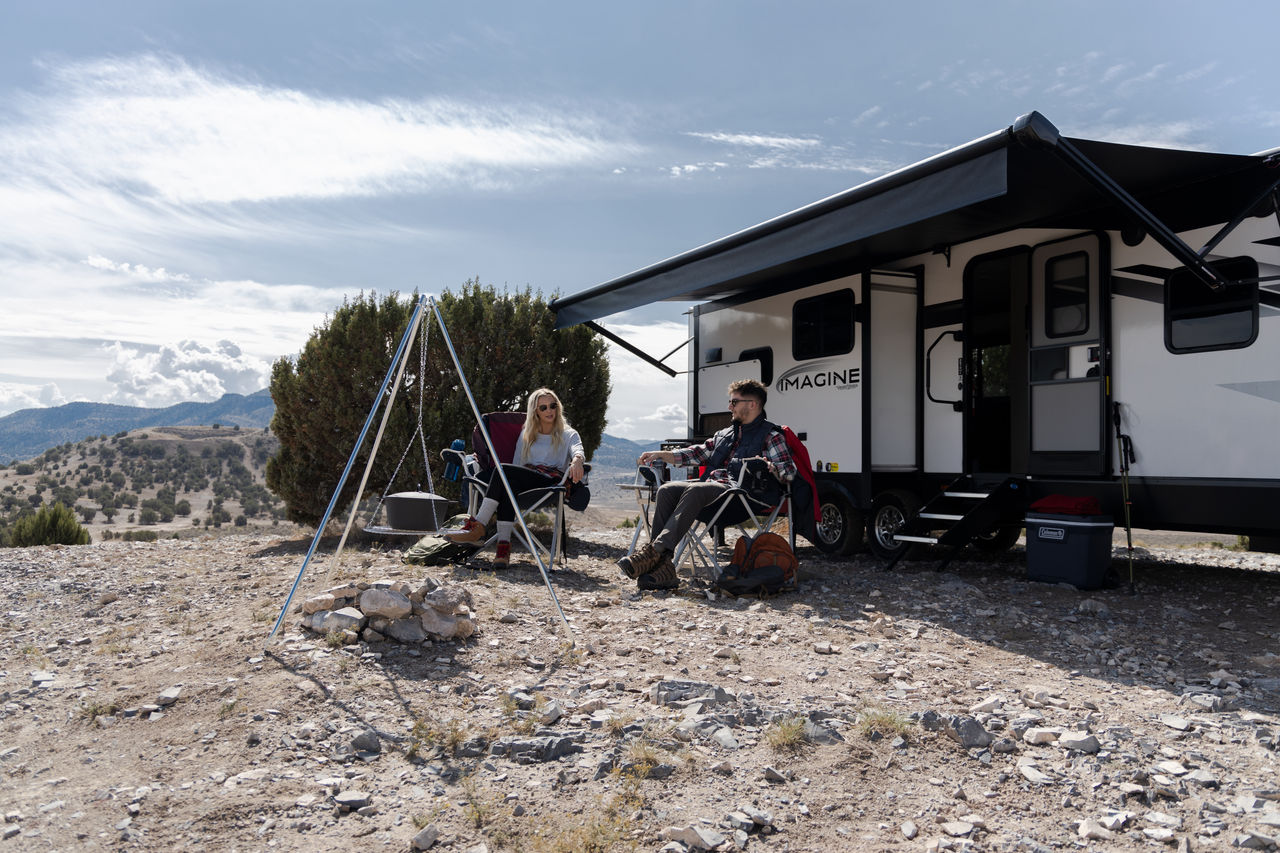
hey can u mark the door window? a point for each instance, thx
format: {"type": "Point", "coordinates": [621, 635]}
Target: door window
{"type": "Point", "coordinates": [1066, 295]}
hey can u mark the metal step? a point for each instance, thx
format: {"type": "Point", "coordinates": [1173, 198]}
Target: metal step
{"type": "Point", "coordinates": [925, 540]}
{"type": "Point", "coordinates": [941, 516]}
{"type": "Point", "coordinates": [977, 496]}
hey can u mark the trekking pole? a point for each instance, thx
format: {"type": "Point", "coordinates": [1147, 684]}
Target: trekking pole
{"type": "Point", "coordinates": [1125, 446]}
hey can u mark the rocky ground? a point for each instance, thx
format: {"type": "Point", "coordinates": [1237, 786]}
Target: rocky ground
{"type": "Point", "coordinates": [141, 708]}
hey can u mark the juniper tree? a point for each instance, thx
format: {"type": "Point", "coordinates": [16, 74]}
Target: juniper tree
{"type": "Point", "coordinates": [507, 346]}
{"type": "Point", "coordinates": [52, 524]}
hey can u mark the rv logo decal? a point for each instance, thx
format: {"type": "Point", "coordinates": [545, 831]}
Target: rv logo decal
{"type": "Point", "coordinates": [817, 374]}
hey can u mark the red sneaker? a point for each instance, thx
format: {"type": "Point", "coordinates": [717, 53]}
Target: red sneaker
{"type": "Point", "coordinates": [502, 559]}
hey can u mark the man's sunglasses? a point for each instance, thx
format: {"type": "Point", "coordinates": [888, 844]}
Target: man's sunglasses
{"type": "Point", "coordinates": [733, 401]}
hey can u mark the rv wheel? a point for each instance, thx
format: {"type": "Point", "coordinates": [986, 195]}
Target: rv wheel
{"type": "Point", "coordinates": [889, 512]}
{"type": "Point", "coordinates": [840, 528]}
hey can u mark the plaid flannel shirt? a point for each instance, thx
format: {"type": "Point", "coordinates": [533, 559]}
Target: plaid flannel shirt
{"type": "Point", "coordinates": [775, 450]}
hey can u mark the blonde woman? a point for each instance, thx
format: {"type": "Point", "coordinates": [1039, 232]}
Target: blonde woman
{"type": "Point", "coordinates": [548, 447]}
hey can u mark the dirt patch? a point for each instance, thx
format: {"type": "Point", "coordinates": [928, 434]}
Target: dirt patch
{"type": "Point", "coordinates": [911, 710]}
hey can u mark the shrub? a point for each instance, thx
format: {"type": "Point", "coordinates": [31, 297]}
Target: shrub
{"type": "Point", "coordinates": [53, 524]}
{"type": "Point", "coordinates": [507, 344]}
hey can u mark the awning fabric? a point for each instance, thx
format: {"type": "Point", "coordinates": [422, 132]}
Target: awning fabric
{"type": "Point", "coordinates": [990, 185]}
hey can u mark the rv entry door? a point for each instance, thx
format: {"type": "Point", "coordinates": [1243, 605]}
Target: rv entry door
{"type": "Point", "coordinates": [1067, 366]}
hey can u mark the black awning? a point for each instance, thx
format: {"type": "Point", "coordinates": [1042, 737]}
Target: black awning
{"type": "Point", "coordinates": [990, 185]}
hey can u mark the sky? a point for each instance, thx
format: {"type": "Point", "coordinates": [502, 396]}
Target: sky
{"type": "Point", "coordinates": [188, 189]}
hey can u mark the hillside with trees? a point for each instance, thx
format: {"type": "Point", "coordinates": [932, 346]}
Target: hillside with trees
{"type": "Point", "coordinates": [145, 484]}
{"type": "Point", "coordinates": [28, 432]}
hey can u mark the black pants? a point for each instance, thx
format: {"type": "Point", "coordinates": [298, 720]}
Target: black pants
{"type": "Point", "coordinates": [521, 479]}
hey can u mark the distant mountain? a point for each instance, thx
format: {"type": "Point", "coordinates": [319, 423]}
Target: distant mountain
{"type": "Point", "coordinates": [615, 452]}
{"type": "Point", "coordinates": [28, 433]}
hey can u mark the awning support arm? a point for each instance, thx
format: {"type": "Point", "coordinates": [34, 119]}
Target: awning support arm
{"type": "Point", "coordinates": [1234, 223]}
{"type": "Point", "coordinates": [631, 348]}
{"type": "Point", "coordinates": [1035, 129]}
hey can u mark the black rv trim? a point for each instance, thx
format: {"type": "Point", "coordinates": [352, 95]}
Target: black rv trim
{"type": "Point", "coordinates": [631, 348]}
{"type": "Point", "coordinates": [1026, 175]}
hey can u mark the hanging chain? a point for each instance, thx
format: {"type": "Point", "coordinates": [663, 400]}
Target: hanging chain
{"type": "Point", "coordinates": [420, 433]}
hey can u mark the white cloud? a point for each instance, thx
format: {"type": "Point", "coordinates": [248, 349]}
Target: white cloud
{"type": "Point", "coordinates": [158, 128]}
{"type": "Point", "coordinates": [1174, 134]}
{"type": "Point", "coordinates": [1196, 73]}
{"type": "Point", "coordinates": [1151, 75]}
{"type": "Point", "coordinates": [867, 114]}
{"type": "Point", "coordinates": [17, 396]}
{"type": "Point", "coordinates": [692, 168]}
{"type": "Point", "coordinates": [182, 372]}
{"type": "Point", "coordinates": [756, 140]}
{"type": "Point", "coordinates": [136, 271]}
{"type": "Point", "coordinates": [646, 403]}
{"type": "Point", "coordinates": [1114, 71]}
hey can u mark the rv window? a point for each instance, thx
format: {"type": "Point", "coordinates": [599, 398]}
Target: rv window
{"type": "Point", "coordinates": [1198, 318]}
{"type": "Point", "coordinates": [1066, 295]}
{"type": "Point", "coordinates": [822, 325]}
{"type": "Point", "coordinates": [765, 356]}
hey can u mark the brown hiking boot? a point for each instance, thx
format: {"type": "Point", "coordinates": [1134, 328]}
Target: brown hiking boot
{"type": "Point", "coordinates": [663, 575]}
{"type": "Point", "coordinates": [472, 532]}
{"type": "Point", "coordinates": [641, 562]}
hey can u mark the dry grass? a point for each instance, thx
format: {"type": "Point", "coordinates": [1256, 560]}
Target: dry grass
{"type": "Point", "coordinates": [787, 735]}
{"type": "Point", "coordinates": [875, 720]}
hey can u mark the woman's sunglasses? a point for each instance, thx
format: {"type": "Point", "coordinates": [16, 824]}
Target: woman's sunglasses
{"type": "Point", "coordinates": [542, 407]}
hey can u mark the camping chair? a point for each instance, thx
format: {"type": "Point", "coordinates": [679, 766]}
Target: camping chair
{"type": "Point", "coordinates": [736, 508]}
{"type": "Point", "coordinates": [477, 467]}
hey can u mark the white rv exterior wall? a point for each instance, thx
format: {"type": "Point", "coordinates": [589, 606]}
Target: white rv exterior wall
{"type": "Point", "coordinates": [1201, 414]}
{"type": "Point", "coordinates": [1213, 414]}
{"type": "Point", "coordinates": [830, 415]}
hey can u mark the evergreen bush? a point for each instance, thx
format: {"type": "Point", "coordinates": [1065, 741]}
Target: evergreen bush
{"type": "Point", "coordinates": [53, 524]}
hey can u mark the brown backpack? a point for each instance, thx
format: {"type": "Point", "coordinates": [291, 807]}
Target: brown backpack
{"type": "Point", "coordinates": [761, 565]}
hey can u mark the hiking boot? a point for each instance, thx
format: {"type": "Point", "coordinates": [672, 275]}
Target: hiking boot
{"type": "Point", "coordinates": [641, 562]}
{"type": "Point", "coordinates": [502, 559]}
{"type": "Point", "coordinates": [663, 575]}
{"type": "Point", "coordinates": [472, 532]}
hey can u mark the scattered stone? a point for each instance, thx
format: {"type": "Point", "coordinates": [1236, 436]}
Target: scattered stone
{"type": "Point", "coordinates": [693, 837]}
{"type": "Point", "coordinates": [351, 800]}
{"type": "Point", "coordinates": [1079, 742]}
{"type": "Point", "coordinates": [968, 732]}
{"type": "Point", "coordinates": [426, 837]}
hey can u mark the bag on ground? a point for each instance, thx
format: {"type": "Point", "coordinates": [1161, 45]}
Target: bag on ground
{"type": "Point", "coordinates": [435, 550]}
{"type": "Point", "coordinates": [763, 564]}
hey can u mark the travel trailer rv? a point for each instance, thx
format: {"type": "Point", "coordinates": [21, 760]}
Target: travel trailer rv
{"type": "Point", "coordinates": [1027, 315]}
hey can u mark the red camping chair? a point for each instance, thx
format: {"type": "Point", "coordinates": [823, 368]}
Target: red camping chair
{"type": "Point", "coordinates": [504, 431]}
{"type": "Point", "coordinates": [736, 508]}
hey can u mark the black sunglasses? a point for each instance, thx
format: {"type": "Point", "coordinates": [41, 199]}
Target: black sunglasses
{"type": "Point", "coordinates": [542, 407]}
{"type": "Point", "coordinates": [733, 401]}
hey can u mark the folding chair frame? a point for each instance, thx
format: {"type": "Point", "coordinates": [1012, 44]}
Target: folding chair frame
{"type": "Point", "coordinates": [527, 501]}
{"type": "Point", "coordinates": [694, 546]}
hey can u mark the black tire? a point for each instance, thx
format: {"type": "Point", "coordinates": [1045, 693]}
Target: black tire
{"type": "Point", "coordinates": [840, 529]}
{"type": "Point", "coordinates": [889, 511]}
{"type": "Point", "coordinates": [997, 540]}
